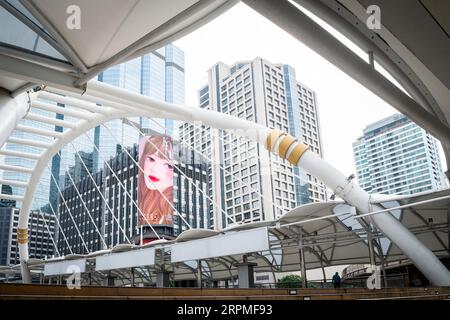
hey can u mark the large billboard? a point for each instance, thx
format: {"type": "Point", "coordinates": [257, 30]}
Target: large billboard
{"type": "Point", "coordinates": [155, 190]}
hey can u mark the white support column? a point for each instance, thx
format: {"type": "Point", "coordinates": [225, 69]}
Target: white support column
{"type": "Point", "coordinates": [11, 111]}
{"type": "Point", "coordinates": [246, 275]}
{"type": "Point", "coordinates": [352, 193]}
{"type": "Point", "coordinates": [347, 189]}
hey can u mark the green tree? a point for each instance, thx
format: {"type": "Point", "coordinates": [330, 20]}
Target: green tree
{"type": "Point", "coordinates": [290, 281]}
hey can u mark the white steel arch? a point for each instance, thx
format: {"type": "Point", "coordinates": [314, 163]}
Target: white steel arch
{"type": "Point", "coordinates": [119, 102]}
{"type": "Point", "coordinates": [96, 116]}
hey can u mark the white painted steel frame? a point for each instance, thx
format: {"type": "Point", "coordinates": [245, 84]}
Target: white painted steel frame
{"type": "Point", "coordinates": [128, 259]}
{"type": "Point", "coordinates": [75, 130]}
{"type": "Point", "coordinates": [121, 103]}
{"type": "Point", "coordinates": [64, 267]}
{"type": "Point", "coordinates": [233, 243]}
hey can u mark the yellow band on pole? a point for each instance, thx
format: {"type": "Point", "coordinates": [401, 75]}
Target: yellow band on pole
{"type": "Point", "coordinates": [297, 152]}
{"type": "Point", "coordinates": [285, 144]}
{"type": "Point", "coordinates": [22, 236]}
{"type": "Point", "coordinates": [272, 138]}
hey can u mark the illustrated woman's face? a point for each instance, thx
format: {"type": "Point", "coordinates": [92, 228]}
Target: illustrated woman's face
{"type": "Point", "coordinates": [158, 172]}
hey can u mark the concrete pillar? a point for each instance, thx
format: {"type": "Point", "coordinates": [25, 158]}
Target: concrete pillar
{"type": "Point", "coordinates": [324, 275]}
{"type": "Point", "coordinates": [303, 263]}
{"type": "Point", "coordinates": [110, 280]}
{"type": "Point", "coordinates": [371, 249]}
{"type": "Point", "coordinates": [11, 111]}
{"type": "Point", "coordinates": [246, 274]}
{"type": "Point", "coordinates": [199, 273]}
{"type": "Point", "coordinates": [163, 279]}
{"type": "Point", "coordinates": [132, 277]}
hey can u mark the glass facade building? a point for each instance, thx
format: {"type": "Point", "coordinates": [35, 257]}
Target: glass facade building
{"type": "Point", "coordinates": [16, 143]}
{"type": "Point", "coordinates": [396, 156]}
{"type": "Point", "coordinates": [303, 117]}
{"type": "Point", "coordinates": [117, 218]}
{"type": "Point", "coordinates": [159, 74]}
{"type": "Point", "coordinates": [41, 234]}
{"type": "Point", "coordinates": [268, 94]}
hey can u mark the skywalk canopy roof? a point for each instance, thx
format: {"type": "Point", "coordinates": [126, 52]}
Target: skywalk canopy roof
{"type": "Point", "coordinates": [328, 232]}
{"type": "Point", "coordinates": [43, 35]}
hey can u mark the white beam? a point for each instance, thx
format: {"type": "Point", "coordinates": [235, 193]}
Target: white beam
{"type": "Point", "coordinates": [35, 73]}
{"type": "Point", "coordinates": [39, 131]}
{"type": "Point", "coordinates": [7, 167]}
{"type": "Point", "coordinates": [22, 89]}
{"type": "Point", "coordinates": [54, 121]}
{"type": "Point", "coordinates": [14, 52]}
{"type": "Point", "coordinates": [107, 105]}
{"type": "Point", "coordinates": [347, 23]}
{"type": "Point", "coordinates": [11, 111]}
{"type": "Point", "coordinates": [64, 267]}
{"type": "Point", "coordinates": [27, 142]}
{"type": "Point", "coordinates": [88, 106]}
{"type": "Point", "coordinates": [233, 243]}
{"type": "Point", "coordinates": [19, 154]}
{"type": "Point", "coordinates": [10, 197]}
{"type": "Point", "coordinates": [61, 110]}
{"type": "Point", "coordinates": [129, 259]}
{"type": "Point", "coordinates": [14, 183]}
{"type": "Point", "coordinates": [102, 91]}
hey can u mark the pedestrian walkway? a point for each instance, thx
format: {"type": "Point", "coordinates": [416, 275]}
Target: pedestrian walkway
{"type": "Point", "coordinates": [60, 292]}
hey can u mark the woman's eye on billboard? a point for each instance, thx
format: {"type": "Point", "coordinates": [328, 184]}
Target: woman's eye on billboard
{"type": "Point", "coordinates": [155, 190]}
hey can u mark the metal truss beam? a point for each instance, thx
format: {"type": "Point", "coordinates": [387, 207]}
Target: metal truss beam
{"type": "Point", "coordinates": [34, 73]}
{"type": "Point", "coordinates": [64, 47]}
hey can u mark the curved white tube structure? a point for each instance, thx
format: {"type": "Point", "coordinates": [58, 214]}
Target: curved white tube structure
{"type": "Point", "coordinates": [353, 194]}
{"type": "Point", "coordinates": [120, 103]}
{"type": "Point", "coordinates": [11, 111]}
{"type": "Point", "coordinates": [96, 116]}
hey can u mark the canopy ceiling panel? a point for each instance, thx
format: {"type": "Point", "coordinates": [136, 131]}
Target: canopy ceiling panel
{"type": "Point", "coordinates": [39, 37]}
{"type": "Point", "coordinates": [421, 30]}
{"type": "Point", "coordinates": [327, 242]}
{"type": "Point", "coordinates": [416, 37]}
{"type": "Point", "coordinates": [430, 222]}
{"type": "Point", "coordinates": [108, 26]}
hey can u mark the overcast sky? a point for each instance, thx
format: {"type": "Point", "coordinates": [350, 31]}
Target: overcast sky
{"type": "Point", "coordinates": [345, 107]}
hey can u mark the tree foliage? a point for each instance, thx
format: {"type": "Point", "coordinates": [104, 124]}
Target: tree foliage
{"type": "Point", "coordinates": [290, 281]}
